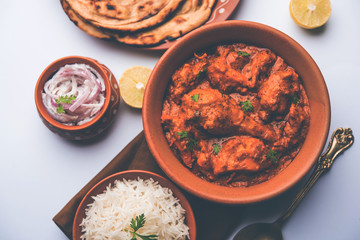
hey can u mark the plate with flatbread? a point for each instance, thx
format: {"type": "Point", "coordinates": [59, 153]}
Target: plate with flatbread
{"type": "Point", "coordinates": [149, 24]}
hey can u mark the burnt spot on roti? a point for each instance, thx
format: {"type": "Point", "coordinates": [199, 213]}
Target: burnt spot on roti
{"type": "Point", "coordinates": [110, 7]}
{"type": "Point", "coordinates": [179, 20]}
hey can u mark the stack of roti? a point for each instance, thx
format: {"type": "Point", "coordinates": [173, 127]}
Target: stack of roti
{"type": "Point", "coordinates": [138, 22]}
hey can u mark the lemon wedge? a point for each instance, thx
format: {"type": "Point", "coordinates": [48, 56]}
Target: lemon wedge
{"type": "Point", "coordinates": [132, 85]}
{"type": "Point", "coordinates": [310, 14]}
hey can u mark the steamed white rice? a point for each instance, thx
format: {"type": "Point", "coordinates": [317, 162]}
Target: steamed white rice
{"type": "Point", "coordinates": [111, 212]}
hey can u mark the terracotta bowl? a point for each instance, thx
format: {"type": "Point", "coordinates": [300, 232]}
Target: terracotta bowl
{"type": "Point", "coordinates": [253, 34]}
{"type": "Point", "coordinates": [133, 174]}
{"type": "Point", "coordinates": [101, 121]}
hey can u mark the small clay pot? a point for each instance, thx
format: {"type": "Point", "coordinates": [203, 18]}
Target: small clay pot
{"type": "Point", "coordinates": [101, 121]}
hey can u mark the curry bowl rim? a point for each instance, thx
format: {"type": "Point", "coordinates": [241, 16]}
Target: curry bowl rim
{"type": "Point", "coordinates": [210, 35]}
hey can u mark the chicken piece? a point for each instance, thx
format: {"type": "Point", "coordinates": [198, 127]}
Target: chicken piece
{"type": "Point", "coordinates": [260, 63]}
{"type": "Point", "coordinates": [214, 112]}
{"type": "Point", "coordinates": [223, 76]}
{"type": "Point", "coordinates": [241, 153]}
{"type": "Point", "coordinates": [175, 124]}
{"type": "Point", "coordinates": [236, 61]}
{"type": "Point", "coordinates": [186, 77]}
{"type": "Point", "coordinates": [275, 92]}
{"type": "Point", "coordinates": [298, 119]}
{"type": "Point", "coordinates": [204, 154]}
{"type": "Point", "coordinates": [219, 114]}
{"type": "Point", "coordinates": [225, 71]}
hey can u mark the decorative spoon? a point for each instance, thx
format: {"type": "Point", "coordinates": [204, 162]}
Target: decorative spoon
{"type": "Point", "coordinates": [341, 139]}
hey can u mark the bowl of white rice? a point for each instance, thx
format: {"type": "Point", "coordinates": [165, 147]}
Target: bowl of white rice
{"type": "Point", "coordinates": [134, 203]}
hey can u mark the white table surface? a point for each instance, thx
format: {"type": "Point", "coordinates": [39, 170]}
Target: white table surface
{"type": "Point", "coordinates": [40, 171]}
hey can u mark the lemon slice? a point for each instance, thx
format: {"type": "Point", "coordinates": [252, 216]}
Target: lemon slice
{"type": "Point", "coordinates": [132, 85]}
{"type": "Point", "coordinates": [310, 14]}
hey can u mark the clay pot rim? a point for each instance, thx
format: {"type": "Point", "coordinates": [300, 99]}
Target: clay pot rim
{"type": "Point", "coordinates": [50, 70]}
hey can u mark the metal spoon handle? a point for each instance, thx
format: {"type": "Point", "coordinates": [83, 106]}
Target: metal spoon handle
{"type": "Point", "coordinates": [341, 139]}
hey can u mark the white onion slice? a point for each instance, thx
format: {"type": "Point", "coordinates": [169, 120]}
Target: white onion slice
{"type": "Point", "coordinates": [81, 81]}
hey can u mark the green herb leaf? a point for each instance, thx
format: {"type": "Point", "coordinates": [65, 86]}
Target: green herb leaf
{"type": "Point", "coordinates": [243, 54]}
{"type": "Point", "coordinates": [60, 109]}
{"type": "Point", "coordinates": [195, 97]}
{"type": "Point", "coordinates": [64, 99]}
{"type": "Point", "coordinates": [216, 148]}
{"type": "Point", "coordinates": [295, 99]}
{"type": "Point", "coordinates": [191, 143]}
{"type": "Point", "coordinates": [182, 134]}
{"type": "Point", "coordinates": [273, 155]}
{"type": "Point", "coordinates": [138, 223]}
{"type": "Point", "coordinates": [246, 106]}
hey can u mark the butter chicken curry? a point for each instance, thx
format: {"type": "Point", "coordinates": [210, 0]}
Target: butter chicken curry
{"type": "Point", "coordinates": [235, 115]}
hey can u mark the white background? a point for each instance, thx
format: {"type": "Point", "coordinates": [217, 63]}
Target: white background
{"type": "Point", "coordinates": [40, 172]}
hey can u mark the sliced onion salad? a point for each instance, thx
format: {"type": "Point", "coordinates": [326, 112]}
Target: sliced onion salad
{"type": "Point", "coordinates": [74, 95]}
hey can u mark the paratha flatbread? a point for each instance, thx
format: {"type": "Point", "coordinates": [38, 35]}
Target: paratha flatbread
{"type": "Point", "coordinates": [190, 15]}
{"type": "Point", "coordinates": [124, 15]}
{"type": "Point", "coordinates": [80, 23]}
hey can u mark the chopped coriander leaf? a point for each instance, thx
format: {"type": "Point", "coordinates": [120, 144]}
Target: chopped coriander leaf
{"type": "Point", "coordinates": [195, 97]}
{"type": "Point", "coordinates": [191, 144]}
{"type": "Point", "coordinates": [295, 99]}
{"type": "Point", "coordinates": [138, 223]}
{"type": "Point", "coordinates": [60, 109]}
{"type": "Point", "coordinates": [182, 134]}
{"type": "Point", "coordinates": [216, 148]}
{"type": "Point", "coordinates": [273, 155]}
{"type": "Point", "coordinates": [246, 106]}
{"type": "Point", "coordinates": [243, 54]}
{"type": "Point", "coordinates": [64, 99]}
{"type": "Point", "coordinates": [191, 141]}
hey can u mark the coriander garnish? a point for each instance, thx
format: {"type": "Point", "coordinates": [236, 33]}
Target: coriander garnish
{"type": "Point", "coordinates": [195, 97]}
{"type": "Point", "coordinates": [243, 54]}
{"type": "Point", "coordinates": [273, 155]}
{"type": "Point", "coordinates": [191, 141]}
{"type": "Point", "coordinates": [182, 134]}
{"type": "Point", "coordinates": [246, 106]}
{"type": "Point", "coordinates": [216, 148]}
{"type": "Point", "coordinates": [64, 99]}
{"type": "Point", "coordinates": [138, 223]}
